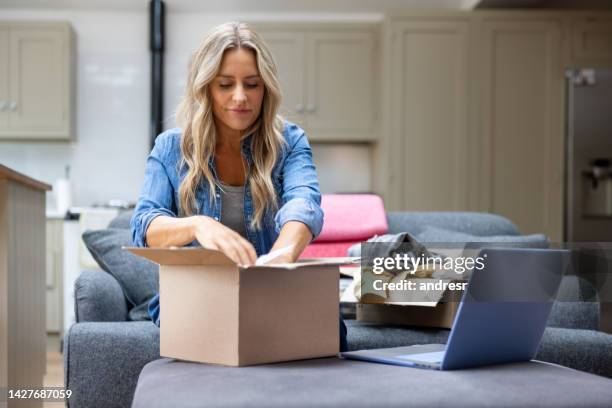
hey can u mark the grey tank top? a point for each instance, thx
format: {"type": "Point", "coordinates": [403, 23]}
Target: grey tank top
{"type": "Point", "coordinates": [232, 208]}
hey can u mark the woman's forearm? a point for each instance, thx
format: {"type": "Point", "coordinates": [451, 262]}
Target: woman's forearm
{"type": "Point", "coordinates": [292, 233]}
{"type": "Point", "coordinates": [166, 231]}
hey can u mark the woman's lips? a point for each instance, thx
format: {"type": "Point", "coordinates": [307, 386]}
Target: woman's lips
{"type": "Point", "coordinates": [240, 111]}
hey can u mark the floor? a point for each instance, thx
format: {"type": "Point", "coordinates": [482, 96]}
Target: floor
{"type": "Point", "coordinates": [54, 377]}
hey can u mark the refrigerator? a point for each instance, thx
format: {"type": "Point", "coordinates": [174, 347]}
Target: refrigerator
{"type": "Point", "coordinates": [588, 181]}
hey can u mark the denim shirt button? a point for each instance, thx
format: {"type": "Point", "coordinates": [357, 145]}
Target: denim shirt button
{"type": "Point", "coordinates": [216, 218]}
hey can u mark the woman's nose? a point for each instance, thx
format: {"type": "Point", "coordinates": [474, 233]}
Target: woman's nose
{"type": "Point", "coordinates": [239, 96]}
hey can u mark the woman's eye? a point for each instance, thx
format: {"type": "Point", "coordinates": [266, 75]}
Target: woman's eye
{"type": "Point", "coordinates": [229, 85]}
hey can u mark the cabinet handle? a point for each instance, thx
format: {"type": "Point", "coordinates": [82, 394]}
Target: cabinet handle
{"type": "Point", "coordinates": [299, 108]}
{"type": "Point", "coordinates": [311, 107]}
{"type": "Point", "coordinates": [12, 106]}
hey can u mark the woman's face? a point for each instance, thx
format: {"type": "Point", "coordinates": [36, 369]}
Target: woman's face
{"type": "Point", "coordinates": [237, 91]}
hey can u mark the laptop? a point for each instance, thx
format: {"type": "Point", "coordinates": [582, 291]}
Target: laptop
{"type": "Point", "coordinates": [501, 318]}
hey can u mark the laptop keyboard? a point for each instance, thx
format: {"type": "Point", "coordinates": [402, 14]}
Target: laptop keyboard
{"type": "Point", "coordinates": [432, 357]}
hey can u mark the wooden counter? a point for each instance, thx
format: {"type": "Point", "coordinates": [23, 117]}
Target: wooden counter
{"type": "Point", "coordinates": [22, 283]}
{"type": "Point", "coordinates": [10, 174]}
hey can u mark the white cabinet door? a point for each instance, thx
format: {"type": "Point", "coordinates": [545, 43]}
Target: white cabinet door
{"type": "Point", "coordinates": [287, 48]}
{"type": "Point", "coordinates": [429, 140]}
{"type": "Point", "coordinates": [329, 76]}
{"type": "Point", "coordinates": [38, 81]}
{"type": "Point", "coordinates": [54, 269]}
{"type": "Point", "coordinates": [4, 95]}
{"type": "Point", "coordinates": [342, 100]}
{"type": "Point", "coordinates": [522, 123]}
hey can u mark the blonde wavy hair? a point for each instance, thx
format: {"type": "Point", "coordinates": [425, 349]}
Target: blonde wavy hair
{"type": "Point", "coordinates": [194, 116]}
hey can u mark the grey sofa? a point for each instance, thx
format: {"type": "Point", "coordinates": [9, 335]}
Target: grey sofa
{"type": "Point", "coordinates": [104, 352]}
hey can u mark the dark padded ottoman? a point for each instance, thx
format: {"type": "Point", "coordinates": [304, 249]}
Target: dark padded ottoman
{"type": "Point", "coordinates": [334, 382]}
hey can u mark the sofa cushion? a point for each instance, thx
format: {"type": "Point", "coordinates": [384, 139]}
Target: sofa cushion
{"type": "Point", "coordinates": [475, 223]}
{"type": "Point", "coordinates": [352, 217]}
{"type": "Point", "coordinates": [440, 235]}
{"type": "Point", "coordinates": [584, 350]}
{"type": "Point", "coordinates": [122, 220]}
{"type": "Point", "coordinates": [102, 361]}
{"type": "Point", "coordinates": [327, 249]}
{"type": "Point", "coordinates": [334, 382]}
{"type": "Point", "coordinates": [138, 277]}
{"type": "Point", "coordinates": [99, 298]}
{"type": "Point", "coordinates": [576, 305]}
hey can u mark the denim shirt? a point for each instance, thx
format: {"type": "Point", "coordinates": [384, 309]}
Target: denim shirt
{"type": "Point", "coordinates": [294, 178]}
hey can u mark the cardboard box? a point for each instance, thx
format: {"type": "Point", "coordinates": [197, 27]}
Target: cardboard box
{"type": "Point", "coordinates": [213, 311]}
{"type": "Point", "coordinates": [441, 315]}
{"type": "Point", "coordinates": [436, 306]}
{"type": "Point", "coordinates": [431, 308]}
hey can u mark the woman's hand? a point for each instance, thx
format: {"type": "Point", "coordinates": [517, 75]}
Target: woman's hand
{"type": "Point", "coordinates": [214, 235]}
{"type": "Point", "coordinates": [282, 259]}
{"type": "Point", "coordinates": [292, 233]}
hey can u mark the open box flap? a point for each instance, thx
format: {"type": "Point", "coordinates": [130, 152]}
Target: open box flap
{"type": "Point", "coordinates": [203, 256]}
{"type": "Point", "coordinates": [301, 263]}
{"type": "Point", "coordinates": [182, 256]}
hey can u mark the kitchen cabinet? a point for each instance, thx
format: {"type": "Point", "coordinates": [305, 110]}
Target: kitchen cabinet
{"type": "Point", "coordinates": [590, 40]}
{"type": "Point", "coordinates": [428, 131]}
{"type": "Point", "coordinates": [521, 139]}
{"type": "Point", "coordinates": [22, 284]}
{"type": "Point", "coordinates": [36, 81]}
{"type": "Point", "coordinates": [329, 76]}
{"type": "Point", "coordinates": [474, 116]}
{"type": "Point", "coordinates": [288, 51]}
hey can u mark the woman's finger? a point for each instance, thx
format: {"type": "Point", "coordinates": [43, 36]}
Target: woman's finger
{"type": "Point", "coordinates": [233, 245]}
{"type": "Point", "coordinates": [229, 250]}
{"type": "Point", "coordinates": [243, 250]}
{"type": "Point", "coordinates": [208, 244]}
{"type": "Point", "coordinates": [230, 243]}
{"type": "Point", "coordinates": [244, 247]}
{"type": "Point", "coordinates": [247, 248]}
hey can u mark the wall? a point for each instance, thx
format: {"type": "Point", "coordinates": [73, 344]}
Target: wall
{"type": "Point", "coordinates": [112, 106]}
{"type": "Point", "coordinates": [108, 156]}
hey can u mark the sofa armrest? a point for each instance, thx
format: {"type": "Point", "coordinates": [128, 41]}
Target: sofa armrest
{"type": "Point", "coordinates": [102, 361]}
{"type": "Point", "coordinates": [98, 297]}
{"type": "Point", "coordinates": [576, 305]}
{"type": "Point", "coordinates": [585, 350]}
{"type": "Point", "coordinates": [474, 223]}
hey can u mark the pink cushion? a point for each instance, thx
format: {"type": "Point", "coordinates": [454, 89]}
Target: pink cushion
{"type": "Point", "coordinates": [352, 217]}
{"type": "Point", "coordinates": [327, 249]}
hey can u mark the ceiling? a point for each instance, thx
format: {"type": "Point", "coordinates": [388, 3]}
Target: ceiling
{"type": "Point", "coordinates": [309, 6]}
{"type": "Point", "coordinates": [256, 6]}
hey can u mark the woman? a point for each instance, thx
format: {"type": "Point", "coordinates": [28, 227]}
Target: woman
{"type": "Point", "coordinates": [234, 176]}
